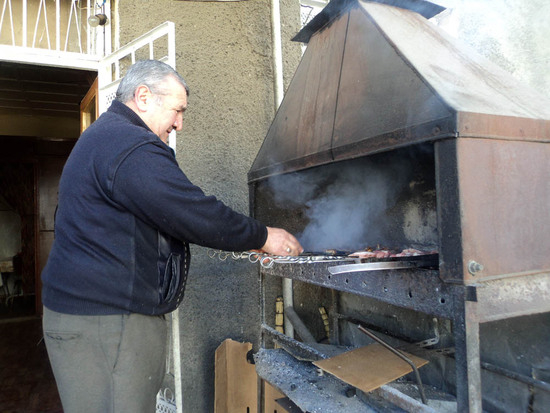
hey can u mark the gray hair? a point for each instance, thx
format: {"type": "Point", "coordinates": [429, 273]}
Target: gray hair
{"type": "Point", "coordinates": [151, 73]}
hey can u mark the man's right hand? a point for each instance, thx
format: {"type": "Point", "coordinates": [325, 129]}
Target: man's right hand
{"type": "Point", "coordinates": [281, 242]}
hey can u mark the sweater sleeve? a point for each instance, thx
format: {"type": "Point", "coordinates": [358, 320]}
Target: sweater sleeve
{"type": "Point", "coordinates": [150, 184]}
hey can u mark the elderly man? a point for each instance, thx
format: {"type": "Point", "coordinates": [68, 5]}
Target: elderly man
{"type": "Point", "coordinates": [119, 262]}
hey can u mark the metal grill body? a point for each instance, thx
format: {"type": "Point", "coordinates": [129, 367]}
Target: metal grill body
{"type": "Point", "coordinates": [380, 86]}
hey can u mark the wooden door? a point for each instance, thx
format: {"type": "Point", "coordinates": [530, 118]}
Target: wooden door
{"type": "Point", "coordinates": [89, 107]}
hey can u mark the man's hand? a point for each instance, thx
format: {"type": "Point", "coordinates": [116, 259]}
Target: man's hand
{"type": "Point", "coordinates": [281, 242]}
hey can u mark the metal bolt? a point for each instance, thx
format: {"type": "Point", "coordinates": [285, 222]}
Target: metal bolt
{"type": "Point", "coordinates": [474, 267]}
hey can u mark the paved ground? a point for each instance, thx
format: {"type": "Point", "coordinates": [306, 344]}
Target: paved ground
{"type": "Point", "coordinates": [28, 385]}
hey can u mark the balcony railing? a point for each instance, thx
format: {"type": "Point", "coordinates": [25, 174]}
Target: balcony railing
{"type": "Point", "coordinates": [51, 28]}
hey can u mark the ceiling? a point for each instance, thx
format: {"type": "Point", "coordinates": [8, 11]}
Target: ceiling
{"type": "Point", "coordinates": [32, 95]}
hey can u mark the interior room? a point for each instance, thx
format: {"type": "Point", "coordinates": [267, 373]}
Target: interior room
{"type": "Point", "coordinates": [40, 122]}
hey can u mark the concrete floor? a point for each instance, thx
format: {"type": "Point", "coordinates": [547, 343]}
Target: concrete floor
{"type": "Point", "coordinates": [28, 385]}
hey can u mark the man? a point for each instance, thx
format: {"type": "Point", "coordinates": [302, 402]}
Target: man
{"type": "Point", "coordinates": [120, 257]}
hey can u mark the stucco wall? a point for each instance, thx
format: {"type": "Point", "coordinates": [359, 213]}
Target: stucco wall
{"type": "Point", "coordinates": [224, 53]}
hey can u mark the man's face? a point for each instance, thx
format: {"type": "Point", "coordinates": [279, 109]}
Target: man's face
{"type": "Point", "coordinates": [167, 111]}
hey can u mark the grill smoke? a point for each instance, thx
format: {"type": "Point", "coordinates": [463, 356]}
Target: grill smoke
{"type": "Point", "coordinates": [344, 203]}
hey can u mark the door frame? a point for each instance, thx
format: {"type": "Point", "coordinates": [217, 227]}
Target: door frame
{"type": "Point", "coordinates": [89, 107]}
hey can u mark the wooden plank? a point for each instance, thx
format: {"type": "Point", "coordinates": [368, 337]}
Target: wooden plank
{"type": "Point", "coordinates": [369, 367]}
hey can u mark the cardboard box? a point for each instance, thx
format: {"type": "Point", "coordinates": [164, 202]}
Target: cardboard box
{"type": "Point", "coordinates": [236, 381]}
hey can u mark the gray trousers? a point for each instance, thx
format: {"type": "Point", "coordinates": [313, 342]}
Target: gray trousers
{"type": "Point", "coordinates": [106, 364]}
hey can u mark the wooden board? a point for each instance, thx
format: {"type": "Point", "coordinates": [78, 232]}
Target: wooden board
{"type": "Point", "coordinates": [369, 367]}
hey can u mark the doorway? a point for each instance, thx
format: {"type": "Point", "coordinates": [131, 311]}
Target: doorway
{"type": "Point", "coordinates": [39, 125]}
{"type": "Point", "coordinates": [18, 238]}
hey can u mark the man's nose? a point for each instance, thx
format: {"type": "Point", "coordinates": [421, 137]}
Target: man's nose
{"type": "Point", "coordinates": [178, 122]}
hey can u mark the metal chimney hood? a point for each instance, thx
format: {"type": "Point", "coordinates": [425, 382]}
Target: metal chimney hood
{"type": "Point", "coordinates": [376, 77]}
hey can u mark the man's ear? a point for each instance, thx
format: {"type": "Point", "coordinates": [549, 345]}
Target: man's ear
{"type": "Point", "coordinates": [142, 98]}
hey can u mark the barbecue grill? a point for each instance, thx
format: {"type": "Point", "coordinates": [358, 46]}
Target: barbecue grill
{"type": "Point", "coordinates": [447, 152]}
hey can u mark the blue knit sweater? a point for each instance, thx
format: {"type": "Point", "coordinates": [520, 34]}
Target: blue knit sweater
{"type": "Point", "coordinates": [125, 216]}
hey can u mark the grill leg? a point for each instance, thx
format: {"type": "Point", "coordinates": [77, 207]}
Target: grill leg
{"type": "Point", "coordinates": [468, 369]}
{"type": "Point", "coordinates": [334, 310]}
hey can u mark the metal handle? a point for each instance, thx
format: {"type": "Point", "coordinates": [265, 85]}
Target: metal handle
{"type": "Point", "coordinates": [401, 356]}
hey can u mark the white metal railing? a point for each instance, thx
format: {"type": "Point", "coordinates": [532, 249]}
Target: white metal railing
{"type": "Point", "coordinates": [310, 8]}
{"type": "Point", "coordinates": [159, 43]}
{"type": "Point", "coordinates": [54, 25]}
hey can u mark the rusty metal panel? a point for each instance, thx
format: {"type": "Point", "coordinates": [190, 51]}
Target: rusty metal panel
{"type": "Point", "coordinates": [503, 127]}
{"type": "Point", "coordinates": [513, 297]}
{"type": "Point", "coordinates": [301, 132]}
{"type": "Point", "coordinates": [380, 94]}
{"type": "Point", "coordinates": [504, 191]}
